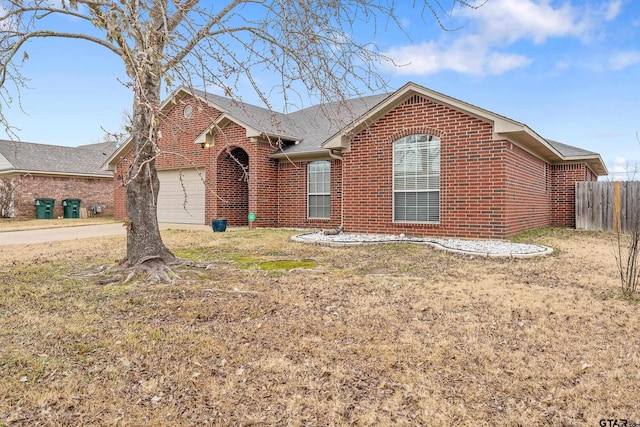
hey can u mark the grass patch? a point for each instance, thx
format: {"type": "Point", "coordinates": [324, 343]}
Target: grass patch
{"type": "Point", "coordinates": [193, 253]}
{"type": "Point", "coordinates": [8, 224]}
{"type": "Point", "coordinates": [393, 334]}
{"type": "Point", "coordinates": [263, 263]}
{"type": "Point", "coordinates": [529, 236]}
{"type": "Point", "coordinates": [285, 264]}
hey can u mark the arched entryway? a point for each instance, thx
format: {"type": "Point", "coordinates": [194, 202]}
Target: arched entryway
{"type": "Point", "coordinates": [233, 186]}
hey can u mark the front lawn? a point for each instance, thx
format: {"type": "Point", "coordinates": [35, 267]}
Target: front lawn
{"type": "Point", "coordinates": [275, 332]}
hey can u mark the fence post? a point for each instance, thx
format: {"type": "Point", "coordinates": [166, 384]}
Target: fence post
{"type": "Point", "coordinates": [616, 207]}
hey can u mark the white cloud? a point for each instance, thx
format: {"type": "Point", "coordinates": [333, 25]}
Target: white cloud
{"type": "Point", "coordinates": [488, 32]}
{"type": "Point", "coordinates": [623, 168]}
{"type": "Point", "coordinates": [506, 21]}
{"type": "Point", "coordinates": [562, 65]}
{"type": "Point", "coordinates": [405, 23]}
{"type": "Point", "coordinates": [499, 63]}
{"type": "Point", "coordinates": [620, 60]}
{"type": "Point", "coordinates": [612, 10]}
{"type": "Point", "coordinates": [621, 160]}
{"type": "Point", "coordinates": [465, 56]}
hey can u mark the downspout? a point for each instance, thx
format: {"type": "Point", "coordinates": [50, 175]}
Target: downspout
{"type": "Point", "coordinates": [339, 157]}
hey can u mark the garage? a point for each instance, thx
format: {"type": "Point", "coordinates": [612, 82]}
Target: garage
{"type": "Point", "coordinates": [181, 198]}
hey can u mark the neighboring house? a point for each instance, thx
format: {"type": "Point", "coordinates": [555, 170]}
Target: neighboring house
{"type": "Point", "coordinates": [39, 171]}
{"type": "Point", "coordinates": [412, 161]}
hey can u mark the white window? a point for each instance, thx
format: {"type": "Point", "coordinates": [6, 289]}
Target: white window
{"type": "Point", "coordinates": [416, 179]}
{"type": "Point", "coordinates": [319, 179]}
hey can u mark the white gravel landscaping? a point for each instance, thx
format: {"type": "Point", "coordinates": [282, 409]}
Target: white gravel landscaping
{"type": "Point", "coordinates": [492, 248]}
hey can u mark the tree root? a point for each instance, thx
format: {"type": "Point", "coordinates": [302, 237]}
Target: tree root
{"type": "Point", "coordinates": [154, 270]}
{"type": "Point", "coordinates": [151, 270]}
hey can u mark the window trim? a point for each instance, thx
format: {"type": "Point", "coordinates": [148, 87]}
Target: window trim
{"type": "Point", "coordinates": [311, 194]}
{"type": "Point", "coordinates": [407, 139]}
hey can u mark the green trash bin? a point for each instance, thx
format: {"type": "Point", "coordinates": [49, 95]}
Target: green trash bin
{"type": "Point", "coordinates": [44, 208]}
{"type": "Point", "coordinates": [71, 208]}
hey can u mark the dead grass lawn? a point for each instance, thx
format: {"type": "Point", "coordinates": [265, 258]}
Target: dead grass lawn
{"type": "Point", "coordinates": [394, 334]}
{"type": "Point", "coordinates": [32, 224]}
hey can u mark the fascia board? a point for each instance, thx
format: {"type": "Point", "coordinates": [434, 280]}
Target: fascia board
{"type": "Point", "coordinates": [250, 132]}
{"type": "Point", "coordinates": [337, 142]}
{"type": "Point", "coordinates": [300, 157]}
{"type": "Point", "coordinates": [223, 119]}
{"type": "Point", "coordinates": [530, 141]}
{"type": "Point", "coordinates": [116, 156]}
{"type": "Point", "coordinates": [47, 173]}
{"type": "Point", "coordinates": [204, 136]}
{"type": "Point", "coordinates": [408, 90]}
{"type": "Point", "coordinates": [182, 92]}
{"type": "Point", "coordinates": [594, 162]}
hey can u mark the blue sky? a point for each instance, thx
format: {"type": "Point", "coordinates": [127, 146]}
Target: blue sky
{"type": "Point", "coordinates": [568, 69]}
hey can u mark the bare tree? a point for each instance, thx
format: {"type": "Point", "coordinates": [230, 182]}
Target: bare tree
{"type": "Point", "coordinates": [312, 46]}
{"type": "Point", "coordinates": [627, 255]}
{"type": "Point", "coordinates": [627, 235]}
{"type": "Point", "coordinates": [7, 188]}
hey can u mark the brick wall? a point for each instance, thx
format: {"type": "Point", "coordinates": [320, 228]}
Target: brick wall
{"type": "Point", "coordinates": [528, 194]}
{"type": "Point", "coordinates": [472, 196]}
{"type": "Point", "coordinates": [563, 192]}
{"type": "Point", "coordinates": [233, 187]}
{"type": "Point", "coordinates": [292, 196]}
{"type": "Point", "coordinates": [177, 134]}
{"type": "Point", "coordinates": [223, 190]}
{"type": "Point", "coordinates": [89, 190]}
{"type": "Point", "coordinates": [119, 190]}
{"type": "Point", "coordinates": [488, 188]}
{"type": "Point", "coordinates": [263, 185]}
{"type": "Point", "coordinates": [229, 188]}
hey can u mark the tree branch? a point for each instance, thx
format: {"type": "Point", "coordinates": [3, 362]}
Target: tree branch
{"type": "Point", "coordinates": [201, 34]}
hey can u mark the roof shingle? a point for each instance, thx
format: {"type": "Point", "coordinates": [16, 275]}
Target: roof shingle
{"type": "Point", "coordinates": [43, 158]}
{"type": "Point", "coordinates": [569, 150]}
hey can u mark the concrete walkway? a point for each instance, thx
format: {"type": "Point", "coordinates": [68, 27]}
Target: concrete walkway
{"type": "Point", "coordinates": [79, 232]}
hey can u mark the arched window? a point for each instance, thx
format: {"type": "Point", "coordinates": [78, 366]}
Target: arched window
{"type": "Point", "coordinates": [416, 179]}
{"type": "Point", "coordinates": [319, 189]}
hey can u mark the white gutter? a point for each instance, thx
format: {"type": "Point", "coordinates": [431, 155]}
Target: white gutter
{"type": "Point", "coordinates": [338, 157]}
{"type": "Point", "coordinates": [74, 174]}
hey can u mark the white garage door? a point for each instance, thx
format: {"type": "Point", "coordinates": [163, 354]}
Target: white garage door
{"type": "Point", "coordinates": [181, 196]}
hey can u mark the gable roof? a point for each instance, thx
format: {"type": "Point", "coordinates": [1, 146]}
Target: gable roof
{"type": "Point", "coordinates": [315, 124]}
{"type": "Point", "coordinates": [28, 157]}
{"type": "Point", "coordinates": [308, 127]}
{"type": "Point", "coordinates": [319, 129]}
{"type": "Point", "coordinates": [568, 150]}
{"type": "Point", "coordinates": [503, 127]}
{"type": "Point", "coordinates": [257, 120]}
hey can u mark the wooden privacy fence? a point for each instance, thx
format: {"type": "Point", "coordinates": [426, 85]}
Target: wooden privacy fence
{"type": "Point", "coordinates": [608, 206]}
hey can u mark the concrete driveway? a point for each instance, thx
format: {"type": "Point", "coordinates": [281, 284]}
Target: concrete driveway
{"type": "Point", "coordinates": [78, 232]}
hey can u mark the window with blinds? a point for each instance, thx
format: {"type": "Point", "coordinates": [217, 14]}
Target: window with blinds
{"type": "Point", "coordinates": [319, 190]}
{"type": "Point", "coordinates": [416, 179]}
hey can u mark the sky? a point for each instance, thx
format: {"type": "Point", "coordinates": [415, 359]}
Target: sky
{"type": "Point", "coordinates": [568, 69]}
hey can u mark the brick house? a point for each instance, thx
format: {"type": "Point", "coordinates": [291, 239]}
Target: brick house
{"type": "Point", "coordinates": [412, 161]}
{"type": "Point", "coordinates": [38, 171]}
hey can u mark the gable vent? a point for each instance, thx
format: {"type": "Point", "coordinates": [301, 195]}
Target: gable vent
{"type": "Point", "coordinates": [415, 99]}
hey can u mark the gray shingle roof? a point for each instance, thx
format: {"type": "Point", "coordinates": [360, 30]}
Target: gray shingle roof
{"type": "Point", "coordinates": [43, 158]}
{"type": "Point", "coordinates": [261, 119]}
{"type": "Point", "coordinates": [311, 126]}
{"type": "Point", "coordinates": [314, 125]}
{"type": "Point", "coordinates": [318, 123]}
{"type": "Point", "coordinates": [569, 150]}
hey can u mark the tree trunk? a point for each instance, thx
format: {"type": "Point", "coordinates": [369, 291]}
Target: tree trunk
{"type": "Point", "coordinates": [143, 234]}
